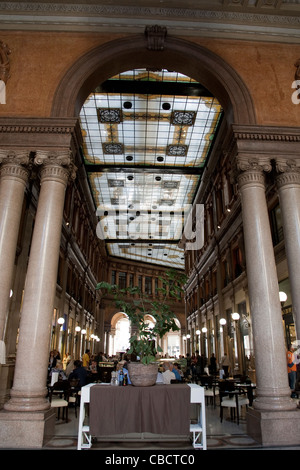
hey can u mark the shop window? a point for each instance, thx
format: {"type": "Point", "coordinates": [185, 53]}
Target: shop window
{"type": "Point", "coordinates": [122, 280]}
{"type": "Point", "coordinates": [148, 285]}
{"type": "Point", "coordinates": [140, 283]}
{"type": "Point", "coordinates": [156, 286]}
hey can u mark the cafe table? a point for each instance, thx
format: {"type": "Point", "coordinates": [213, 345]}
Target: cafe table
{"type": "Point", "coordinates": [159, 411]}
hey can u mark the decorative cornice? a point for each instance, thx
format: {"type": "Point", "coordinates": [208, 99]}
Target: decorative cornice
{"type": "Point", "coordinates": [219, 14]}
{"type": "Point", "coordinates": [290, 134]}
{"type": "Point", "coordinates": [264, 142]}
{"type": "Point", "coordinates": [36, 133]}
{"type": "Point", "coordinates": [217, 21]}
{"type": "Point", "coordinates": [36, 128]}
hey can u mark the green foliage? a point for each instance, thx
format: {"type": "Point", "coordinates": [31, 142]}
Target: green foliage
{"type": "Point", "coordinates": [136, 305]}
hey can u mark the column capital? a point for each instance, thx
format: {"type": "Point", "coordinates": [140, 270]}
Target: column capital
{"type": "Point", "coordinates": [56, 165]}
{"type": "Point", "coordinates": [253, 163]}
{"type": "Point", "coordinates": [15, 163]}
{"type": "Point", "coordinates": [251, 169]}
{"type": "Point", "coordinates": [19, 157]}
{"type": "Point", "coordinates": [287, 171]}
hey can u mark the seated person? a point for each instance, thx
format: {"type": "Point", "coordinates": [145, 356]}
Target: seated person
{"type": "Point", "coordinates": [93, 370]}
{"type": "Point", "coordinates": [168, 375]}
{"type": "Point", "coordinates": [80, 373]}
{"type": "Point", "coordinates": [176, 371]}
{"type": "Point", "coordinates": [58, 368]}
{"type": "Point", "coordinates": [123, 365]}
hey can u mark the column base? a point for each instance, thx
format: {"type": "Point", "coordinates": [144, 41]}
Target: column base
{"type": "Point", "coordinates": [27, 430]}
{"type": "Point", "coordinates": [274, 428]}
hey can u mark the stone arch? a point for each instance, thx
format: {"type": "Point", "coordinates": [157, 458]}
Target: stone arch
{"type": "Point", "coordinates": [116, 317]}
{"type": "Point", "coordinates": [185, 57]}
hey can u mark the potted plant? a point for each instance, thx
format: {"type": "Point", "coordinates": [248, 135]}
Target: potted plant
{"type": "Point", "coordinates": [137, 305]}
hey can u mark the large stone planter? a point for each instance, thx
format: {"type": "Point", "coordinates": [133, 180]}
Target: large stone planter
{"type": "Point", "coordinates": [142, 375]}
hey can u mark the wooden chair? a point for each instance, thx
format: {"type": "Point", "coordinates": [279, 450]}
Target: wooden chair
{"type": "Point", "coordinates": [74, 396]}
{"type": "Point", "coordinates": [211, 390]}
{"type": "Point", "coordinates": [231, 398]}
{"type": "Point", "coordinates": [59, 394]}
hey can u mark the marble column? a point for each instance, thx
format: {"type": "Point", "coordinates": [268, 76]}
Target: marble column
{"type": "Point", "coordinates": [274, 413]}
{"type": "Point", "coordinates": [272, 384]}
{"type": "Point", "coordinates": [13, 178]}
{"type": "Point", "coordinates": [288, 184]}
{"type": "Point", "coordinates": [29, 387]}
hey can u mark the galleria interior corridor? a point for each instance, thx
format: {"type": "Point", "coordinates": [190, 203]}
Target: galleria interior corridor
{"type": "Point", "coordinates": [138, 139]}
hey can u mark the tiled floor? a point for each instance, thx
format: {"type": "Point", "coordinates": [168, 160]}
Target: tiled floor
{"type": "Point", "coordinates": [220, 436]}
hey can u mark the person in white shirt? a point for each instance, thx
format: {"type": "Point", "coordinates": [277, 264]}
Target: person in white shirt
{"type": "Point", "coordinates": [168, 375]}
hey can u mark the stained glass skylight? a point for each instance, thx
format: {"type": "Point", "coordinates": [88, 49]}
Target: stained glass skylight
{"type": "Point", "coordinates": [146, 140]}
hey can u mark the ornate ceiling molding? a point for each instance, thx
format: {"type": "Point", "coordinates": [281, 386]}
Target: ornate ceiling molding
{"type": "Point", "coordinates": [263, 21]}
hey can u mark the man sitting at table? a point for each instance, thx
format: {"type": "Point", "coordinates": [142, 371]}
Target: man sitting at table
{"type": "Point", "coordinates": [79, 373]}
{"type": "Point", "coordinates": [168, 375]}
{"type": "Point", "coordinates": [176, 371]}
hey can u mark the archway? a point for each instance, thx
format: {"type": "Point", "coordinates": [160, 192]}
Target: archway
{"type": "Point", "coordinates": [120, 325]}
{"type": "Point", "coordinates": [188, 58]}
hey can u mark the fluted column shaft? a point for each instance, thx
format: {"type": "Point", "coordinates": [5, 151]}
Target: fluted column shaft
{"type": "Point", "coordinates": [13, 178]}
{"type": "Point", "coordinates": [29, 387]}
{"type": "Point", "coordinates": [273, 393]}
{"type": "Point", "coordinates": [288, 184]}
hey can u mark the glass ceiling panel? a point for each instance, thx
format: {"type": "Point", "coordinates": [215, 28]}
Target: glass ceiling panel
{"type": "Point", "coordinates": [146, 140]}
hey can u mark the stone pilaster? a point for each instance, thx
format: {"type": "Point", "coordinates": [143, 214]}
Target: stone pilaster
{"type": "Point", "coordinates": [288, 184]}
{"type": "Point", "coordinates": [14, 174]}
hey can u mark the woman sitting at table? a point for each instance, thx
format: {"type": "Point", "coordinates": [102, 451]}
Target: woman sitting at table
{"type": "Point", "coordinates": [58, 368]}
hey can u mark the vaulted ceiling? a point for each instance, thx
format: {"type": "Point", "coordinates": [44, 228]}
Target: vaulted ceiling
{"type": "Point", "coordinates": [147, 136]}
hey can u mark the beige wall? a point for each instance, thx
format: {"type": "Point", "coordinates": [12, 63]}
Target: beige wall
{"type": "Point", "coordinates": [39, 60]}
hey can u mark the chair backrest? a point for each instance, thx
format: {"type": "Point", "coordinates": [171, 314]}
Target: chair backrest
{"type": "Point", "coordinates": [226, 386]}
{"type": "Point", "coordinates": [62, 386]}
{"type": "Point", "coordinates": [74, 383]}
